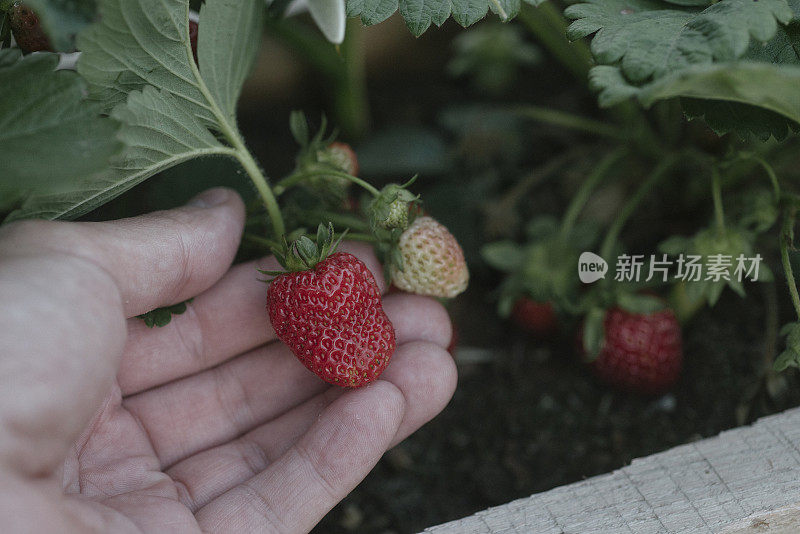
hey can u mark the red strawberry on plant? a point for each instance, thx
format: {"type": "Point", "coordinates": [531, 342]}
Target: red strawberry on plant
{"type": "Point", "coordinates": [538, 318]}
{"type": "Point", "coordinates": [27, 29]}
{"type": "Point", "coordinates": [194, 28]}
{"type": "Point", "coordinates": [640, 352]}
{"type": "Point", "coordinates": [327, 309]}
{"type": "Point", "coordinates": [431, 261]}
{"type": "Point", "coordinates": [343, 156]}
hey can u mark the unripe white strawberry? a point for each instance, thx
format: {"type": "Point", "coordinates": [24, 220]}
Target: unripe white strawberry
{"type": "Point", "coordinates": [433, 262]}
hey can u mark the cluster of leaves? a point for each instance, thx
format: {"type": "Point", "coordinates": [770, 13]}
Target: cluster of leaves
{"type": "Point", "coordinates": [161, 317]}
{"type": "Point", "coordinates": [733, 62]}
{"type": "Point", "coordinates": [49, 134]}
{"type": "Point", "coordinates": [165, 110]}
{"type": "Point", "coordinates": [542, 269]}
{"type": "Point", "coordinates": [420, 14]}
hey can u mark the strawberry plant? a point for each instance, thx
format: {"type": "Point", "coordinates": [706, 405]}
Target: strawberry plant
{"type": "Point", "coordinates": [156, 86]}
{"type": "Point", "coordinates": [651, 142]}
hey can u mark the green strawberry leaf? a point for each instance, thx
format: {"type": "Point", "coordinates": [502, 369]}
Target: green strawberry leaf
{"type": "Point", "coordinates": [648, 41]}
{"type": "Point", "coordinates": [227, 48]}
{"type": "Point", "coordinates": [161, 317]}
{"type": "Point", "coordinates": [504, 256]}
{"type": "Point", "coordinates": [691, 2]}
{"type": "Point", "coordinates": [146, 42]}
{"type": "Point", "coordinates": [652, 51]}
{"type": "Point", "coordinates": [139, 43]}
{"type": "Point", "coordinates": [63, 19]}
{"type": "Point", "coordinates": [50, 135]}
{"type": "Point", "coordinates": [769, 87]}
{"type": "Point", "coordinates": [712, 248]}
{"type": "Point", "coordinates": [139, 65]}
{"type": "Point", "coordinates": [420, 14]}
{"type": "Point", "coordinates": [158, 132]}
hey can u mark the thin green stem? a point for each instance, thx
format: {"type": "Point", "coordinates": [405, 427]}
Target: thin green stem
{"type": "Point", "coordinates": [536, 177]}
{"type": "Point", "coordinates": [270, 202]}
{"type": "Point", "coordinates": [298, 177]}
{"type": "Point", "coordinates": [260, 241]}
{"type": "Point", "coordinates": [340, 220]}
{"type": "Point", "coordinates": [630, 206]}
{"type": "Point", "coordinates": [586, 189]}
{"type": "Point", "coordinates": [787, 238]}
{"type": "Point", "coordinates": [716, 194]}
{"type": "Point", "coordinates": [367, 238]}
{"type": "Point", "coordinates": [351, 103]}
{"type": "Point", "coordinates": [245, 158]}
{"type": "Point", "coordinates": [549, 27]}
{"type": "Point", "coordinates": [773, 178]}
{"type": "Point", "coordinates": [572, 122]}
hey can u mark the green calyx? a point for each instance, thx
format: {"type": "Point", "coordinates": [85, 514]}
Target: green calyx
{"type": "Point", "coordinates": [390, 209]}
{"type": "Point", "coordinates": [298, 125]}
{"type": "Point", "coordinates": [318, 167]}
{"type": "Point", "coordinates": [304, 253]}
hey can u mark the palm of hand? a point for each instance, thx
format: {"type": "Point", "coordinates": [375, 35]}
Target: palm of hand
{"type": "Point", "coordinates": [210, 424]}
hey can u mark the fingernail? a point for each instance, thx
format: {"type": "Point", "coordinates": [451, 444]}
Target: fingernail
{"type": "Point", "coordinates": [211, 198]}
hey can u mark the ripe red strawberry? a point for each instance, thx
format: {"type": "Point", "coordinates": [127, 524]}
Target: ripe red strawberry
{"type": "Point", "coordinates": [193, 30]}
{"type": "Point", "coordinates": [538, 318]}
{"type": "Point", "coordinates": [332, 319]}
{"type": "Point", "coordinates": [641, 352]}
{"type": "Point", "coordinates": [27, 29]}
{"type": "Point", "coordinates": [432, 261]}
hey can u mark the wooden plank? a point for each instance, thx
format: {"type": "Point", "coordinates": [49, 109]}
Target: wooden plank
{"type": "Point", "coordinates": [742, 481]}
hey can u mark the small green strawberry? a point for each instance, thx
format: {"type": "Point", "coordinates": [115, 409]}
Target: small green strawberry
{"type": "Point", "coordinates": [392, 207]}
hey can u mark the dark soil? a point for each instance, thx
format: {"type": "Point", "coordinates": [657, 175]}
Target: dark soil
{"type": "Point", "coordinates": [532, 418]}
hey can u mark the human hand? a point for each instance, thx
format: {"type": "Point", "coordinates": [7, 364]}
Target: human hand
{"type": "Point", "coordinates": [208, 424]}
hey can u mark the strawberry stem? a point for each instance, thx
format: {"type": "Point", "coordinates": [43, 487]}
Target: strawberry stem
{"type": "Point", "coordinates": [630, 207]}
{"type": "Point", "coordinates": [586, 189]}
{"type": "Point", "coordinates": [294, 179]}
{"type": "Point", "coordinates": [366, 238]}
{"type": "Point", "coordinates": [251, 167]}
{"type": "Point", "coordinates": [570, 121]}
{"type": "Point", "coordinates": [716, 194]}
{"type": "Point", "coordinates": [773, 178]}
{"type": "Point", "coordinates": [787, 240]}
{"type": "Point", "coordinates": [549, 27]}
{"type": "Point", "coordinates": [268, 244]}
{"type": "Point", "coordinates": [231, 133]}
